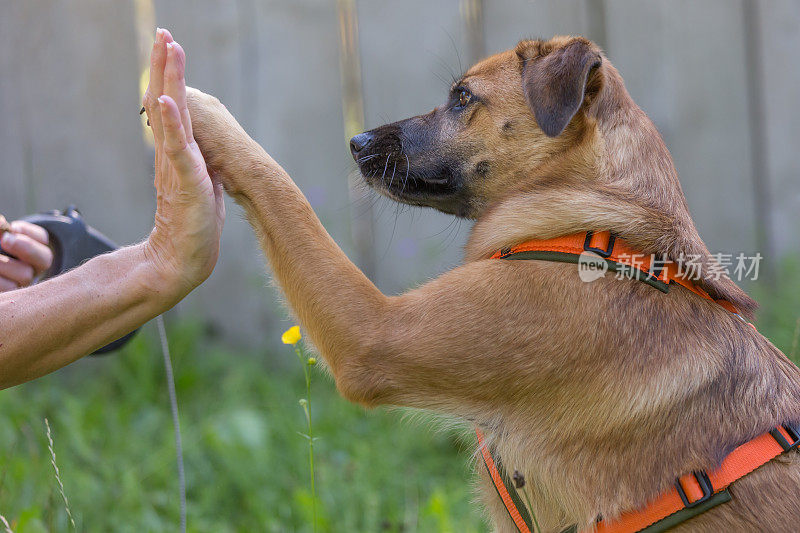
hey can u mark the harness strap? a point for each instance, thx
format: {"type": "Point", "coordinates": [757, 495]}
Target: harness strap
{"type": "Point", "coordinates": [620, 256]}
{"type": "Point", "coordinates": [505, 488]}
{"type": "Point", "coordinates": [693, 490]}
{"type": "Point", "coordinates": [693, 493]}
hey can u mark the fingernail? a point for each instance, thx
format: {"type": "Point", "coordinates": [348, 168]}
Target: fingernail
{"type": "Point", "coordinates": [159, 34]}
{"type": "Point", "coordinates": [161, 100]}
{"type": "Point", "coordinates": [169, 46]}
{"type": "Point", "coordinates": [8, 239]}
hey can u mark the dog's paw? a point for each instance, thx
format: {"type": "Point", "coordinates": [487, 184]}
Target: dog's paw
{"type": "Point", "coordinates": [196, 98]}
{"type": "Point", "coordinates": [225, 146]}
{"type": "Point", "coordinates": [213, 126]}
{"type": "Point", "coordinates": [206, 111]}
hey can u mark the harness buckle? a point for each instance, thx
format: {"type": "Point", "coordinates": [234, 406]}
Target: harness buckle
{"type": "Point", "coordinates": [605, 254]}
{"type": "Point", "coordinates": [705, 485]}
{"type": "Point", "coordinates": [657, 267]}
{"type": "Point", "coordinates": [794, 433]}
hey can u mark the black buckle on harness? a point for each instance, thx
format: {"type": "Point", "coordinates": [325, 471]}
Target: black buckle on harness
{"type": "Point", "coordinates": [794, 433]}
{"type": "Point", "coordinates": [605, 254]}
{"type": "Point", "coordinates": [655, 273]}
{"type": "Point", "coordinates": [705, 485]}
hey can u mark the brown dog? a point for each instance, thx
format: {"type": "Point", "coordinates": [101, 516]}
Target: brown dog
{"type": "Point", "coordinates": [601, 393]}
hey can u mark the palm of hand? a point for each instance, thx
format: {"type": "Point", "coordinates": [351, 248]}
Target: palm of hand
{"type": "Point", "coordinates": [190, 211]}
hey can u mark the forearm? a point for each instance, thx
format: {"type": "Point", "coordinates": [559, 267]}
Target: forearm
{"type": "Point", "coordinates": [409, 350]}
{"type": "Point", "coordinates": [49, 325]}
{"type": "Point", "coordinates": [335, 302]}
{"type": "Point", "coordinates": [340, 309]}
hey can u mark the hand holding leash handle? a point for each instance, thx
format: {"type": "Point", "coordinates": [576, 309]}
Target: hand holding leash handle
{"type": "Point", "coordinates": [73, 242]}
{"type": "Point", "coordinates": [71, 239]}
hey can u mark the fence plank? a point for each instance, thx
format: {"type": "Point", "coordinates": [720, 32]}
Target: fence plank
{"type": "Point", "coordinates": [508, 21]}
{"type": "Point", "coordinates": [780, 31]}
{"type": "Point", "coordinates": [73, 99]}
{"type": "Point", "coordinates": [276, 66]}
{"type": "Point", "coordinates": [14, 147]}
{"type": "Point", "coordinates": [407, 69]}
{"type": "Point", "coordinates": [663, 51]}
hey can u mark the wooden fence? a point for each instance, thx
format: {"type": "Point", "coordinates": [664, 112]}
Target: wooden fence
{"type": "Point", "coordinates": [719, 78]}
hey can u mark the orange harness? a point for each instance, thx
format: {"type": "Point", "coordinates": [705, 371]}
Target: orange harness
{"type": "Point", "coordinates": [693, 493]}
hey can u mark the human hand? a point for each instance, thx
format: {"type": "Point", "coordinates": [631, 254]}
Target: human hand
{"type": "Point", "coordinates": [28, 244]}
{"type": "Point", "coordinates": [184, 243]}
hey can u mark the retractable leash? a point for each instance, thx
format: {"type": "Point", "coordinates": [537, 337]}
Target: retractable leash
{"type": "Point", "coordinates": [74, 242]}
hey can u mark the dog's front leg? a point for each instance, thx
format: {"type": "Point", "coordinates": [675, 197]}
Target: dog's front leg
{"type": "Point", "coordinates": [339, 308]}
{"type": "Point", "coordinates": [412, 349]}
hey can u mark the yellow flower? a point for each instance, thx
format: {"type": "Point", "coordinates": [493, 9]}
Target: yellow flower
{"type": "Point", "coordinates": [291, 335]}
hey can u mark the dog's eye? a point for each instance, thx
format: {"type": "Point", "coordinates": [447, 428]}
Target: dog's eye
{"type": "Point", "coordinates": [464, 96]}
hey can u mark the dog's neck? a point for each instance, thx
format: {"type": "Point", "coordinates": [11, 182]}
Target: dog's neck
{"type": "Point", "coordinates": [621, 178]}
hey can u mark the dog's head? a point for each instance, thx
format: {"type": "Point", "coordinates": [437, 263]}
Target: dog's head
{"type": "Point", "coordinates": [537, 142]}
{"type": "Point", "coordinates": [507, 116]}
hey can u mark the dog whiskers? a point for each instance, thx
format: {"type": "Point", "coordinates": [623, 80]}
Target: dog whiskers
{"type": "Point", "coordinates": [391, 180]}
{"type": "Point", "coordinates": [385, 166]}
{"type": "Point", "coordinates": [408, 168]}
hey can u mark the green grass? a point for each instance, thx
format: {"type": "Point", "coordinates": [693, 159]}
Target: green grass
{"type": "Point", "coordinates": [246, 464]}
{"type": "Point", "coordinates": [779, 314]}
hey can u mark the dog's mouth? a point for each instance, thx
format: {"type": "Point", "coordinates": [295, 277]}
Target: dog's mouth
{"type": "Point", "coordinates": [394, 175]}
{"type": "Point", "coordinates": [387, 167]}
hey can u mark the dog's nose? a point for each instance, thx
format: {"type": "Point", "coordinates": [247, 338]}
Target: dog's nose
{"type": "Point", "coordinates": [359, 142]}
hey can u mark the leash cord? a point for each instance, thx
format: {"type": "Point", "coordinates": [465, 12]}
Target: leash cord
{"type": "Point", "coordinates": [173, 402]}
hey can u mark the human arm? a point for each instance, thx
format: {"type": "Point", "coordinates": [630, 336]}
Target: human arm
{"type": "Point", "coordinates": [51, 324]}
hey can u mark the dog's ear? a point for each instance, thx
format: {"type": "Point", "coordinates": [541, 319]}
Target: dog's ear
{"type": "Point", "coordinates": [554, 81]}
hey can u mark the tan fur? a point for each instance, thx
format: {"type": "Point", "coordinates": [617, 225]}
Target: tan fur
{"type": "Point", "coordinates": [599, 393]}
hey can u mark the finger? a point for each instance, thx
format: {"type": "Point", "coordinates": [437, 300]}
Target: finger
{"type": "Point", "coordinates": [155, 86]}
{"type": "Point", "coordinates": [175, 144]}
{"type": "Point", "coordinates": [33, 231]}
{"type": "Point", "coordinates": [175, 83]}
{"type": "Point", "coordinates": [20, 273]}
{"type": "Point", "coordinates": [158, 56]}
{"type": "Point", "coordinates": [39, 256]}
{"type": "Point", "coordinates": [219, 199]}
{"type": "Point", "coordinates": [7, 285]}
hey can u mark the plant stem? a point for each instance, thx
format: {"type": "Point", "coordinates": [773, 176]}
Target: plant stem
{"type": "Point", "coordinates": [51, 447]}
{"type": "Point", "coordinates": [307, 408]}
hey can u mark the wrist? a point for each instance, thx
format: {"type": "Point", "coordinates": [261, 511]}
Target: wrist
{"type": "Point", "coordinates": [163, 281]}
